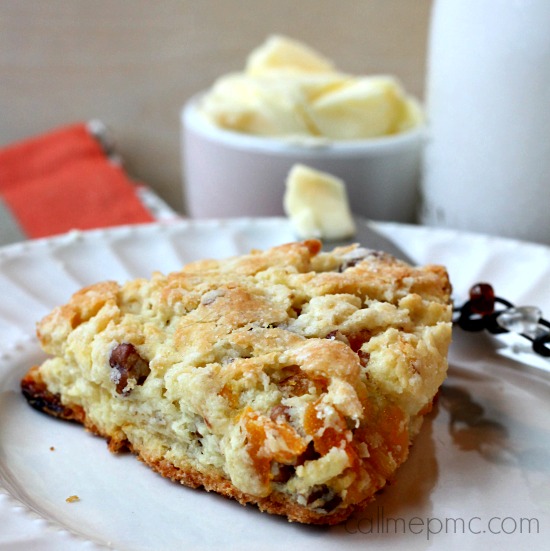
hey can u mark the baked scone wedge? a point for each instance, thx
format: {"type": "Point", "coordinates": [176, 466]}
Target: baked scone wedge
{"type": "Point", "coordinates": [292, 378]}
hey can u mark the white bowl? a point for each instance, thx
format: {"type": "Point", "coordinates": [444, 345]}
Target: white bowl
{"type": "Point", "coordinates": [228, 174]}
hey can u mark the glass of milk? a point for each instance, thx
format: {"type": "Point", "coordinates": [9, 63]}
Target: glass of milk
{"type": "Point", "coordinates": [486, 164]}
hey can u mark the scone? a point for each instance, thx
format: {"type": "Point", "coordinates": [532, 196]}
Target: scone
{"type": "Point", "coordinates": [293, 379]}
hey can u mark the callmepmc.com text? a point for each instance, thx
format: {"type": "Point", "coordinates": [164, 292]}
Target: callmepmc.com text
{"type": "Point", "coordinates": [430, 527]}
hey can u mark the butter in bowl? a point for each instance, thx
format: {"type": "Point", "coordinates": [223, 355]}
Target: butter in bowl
{"type": "Point", "coordinates": [290, 105]}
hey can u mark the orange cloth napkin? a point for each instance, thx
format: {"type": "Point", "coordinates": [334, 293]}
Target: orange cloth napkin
{"type": "Point", "coordinates": [64, 180]}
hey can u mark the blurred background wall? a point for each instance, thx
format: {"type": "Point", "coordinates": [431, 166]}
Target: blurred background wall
{"type": "Point", "coordinates": [133, 63]}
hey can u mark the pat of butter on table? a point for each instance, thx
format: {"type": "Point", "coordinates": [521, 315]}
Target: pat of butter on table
{"type": "Point", "coordinates": [317, 204]}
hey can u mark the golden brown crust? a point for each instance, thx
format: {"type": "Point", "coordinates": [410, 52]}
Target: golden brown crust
{"type": "Point", "coordinates": [292, 379]}
{"type": "Point", "coordinates": [39, 397]}
{"type": "Point", "coordinates": [275, 504]}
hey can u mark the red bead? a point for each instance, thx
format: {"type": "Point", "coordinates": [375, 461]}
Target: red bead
{"type": "Point", "coordinates": [482, 299]}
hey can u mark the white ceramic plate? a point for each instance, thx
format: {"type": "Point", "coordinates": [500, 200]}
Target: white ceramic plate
{"type": "Point", "coordinates": [481, 464]}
